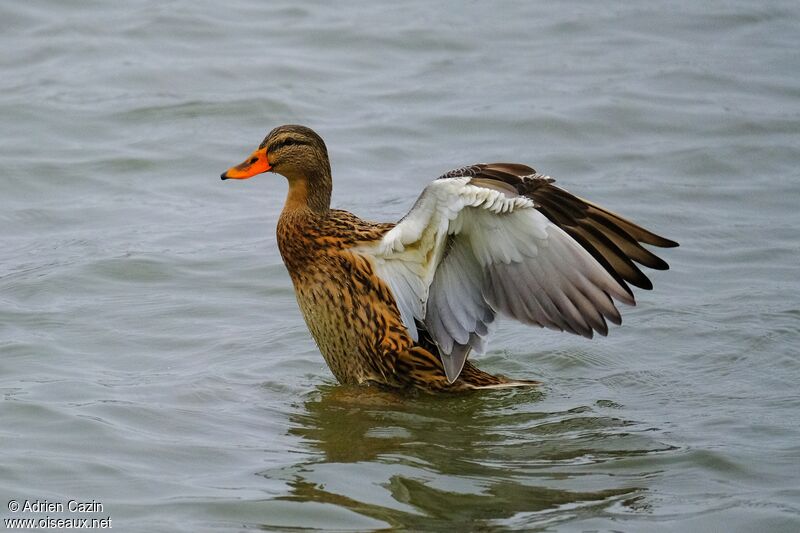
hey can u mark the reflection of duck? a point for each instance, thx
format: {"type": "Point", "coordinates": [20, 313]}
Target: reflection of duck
{"type": "Point", "coordinates": [464, 462]}
{"type": "Point", "coordinates": [352, 424]}
{"type": "Point", "coordinates": [346, 425]}
{"type": "Point", "coordinates": [402, 305]}
{"type": "Point", "coordinates": [506, 505]}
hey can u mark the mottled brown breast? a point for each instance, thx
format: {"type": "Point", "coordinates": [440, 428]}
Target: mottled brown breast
{"type": "Point", "coordinates": [348, 309]}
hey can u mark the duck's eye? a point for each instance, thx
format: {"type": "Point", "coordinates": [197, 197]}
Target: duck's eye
{"type": "Point", "coordinates": [286, 142]}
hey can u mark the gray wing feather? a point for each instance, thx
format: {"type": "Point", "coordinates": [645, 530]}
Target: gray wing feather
{"type": "Point", "coordinates": [458, 318]}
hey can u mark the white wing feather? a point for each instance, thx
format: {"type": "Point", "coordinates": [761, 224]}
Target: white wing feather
{"type": "Point", "coordinates": [465, 252]}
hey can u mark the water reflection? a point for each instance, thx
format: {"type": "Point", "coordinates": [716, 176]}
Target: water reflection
{"type": "Point", "coordinates": [485, 460]}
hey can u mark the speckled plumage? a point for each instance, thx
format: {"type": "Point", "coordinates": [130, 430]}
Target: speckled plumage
{"type": "Point", "coordinates": [363, 287]}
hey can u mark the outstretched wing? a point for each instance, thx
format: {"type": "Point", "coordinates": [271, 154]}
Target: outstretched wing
{"type": "Point", "coordinates": [501, 238]}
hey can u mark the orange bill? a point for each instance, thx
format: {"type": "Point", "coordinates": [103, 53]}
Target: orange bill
{"type": "Point", "coordinates": [255, 164]}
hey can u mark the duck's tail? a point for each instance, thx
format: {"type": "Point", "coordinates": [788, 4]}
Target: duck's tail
{"type": "Point", "coordinates": [472, 378]}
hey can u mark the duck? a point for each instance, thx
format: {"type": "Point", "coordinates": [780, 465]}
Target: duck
{"type": "Point", "coordinates": [402, 305]}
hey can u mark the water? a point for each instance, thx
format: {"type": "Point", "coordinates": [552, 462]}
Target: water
{"type": "Point", "coordinates": [152, 357]}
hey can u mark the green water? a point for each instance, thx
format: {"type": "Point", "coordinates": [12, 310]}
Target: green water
{"type": "Point", "coordinates": [152, 357]}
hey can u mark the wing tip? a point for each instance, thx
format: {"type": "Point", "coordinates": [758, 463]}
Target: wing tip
{"type": "Point", "coordinates": [452, 366]}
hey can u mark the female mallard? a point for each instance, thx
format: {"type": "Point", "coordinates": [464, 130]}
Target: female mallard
{"type": "Point", "coordinates": [403, 305]}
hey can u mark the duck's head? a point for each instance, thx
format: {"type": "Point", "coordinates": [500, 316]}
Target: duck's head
{"type": "Point", "coordinates": [295, 152]}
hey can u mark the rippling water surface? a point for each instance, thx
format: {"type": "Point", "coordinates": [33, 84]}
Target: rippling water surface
{"type": "Point", "coordinates": [152, 357]}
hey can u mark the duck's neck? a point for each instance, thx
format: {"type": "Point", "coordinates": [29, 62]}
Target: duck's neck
{"type": "Point", "coordinates": [310, 193]}
{"type": "Point", "coordinates": [307, 205]}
